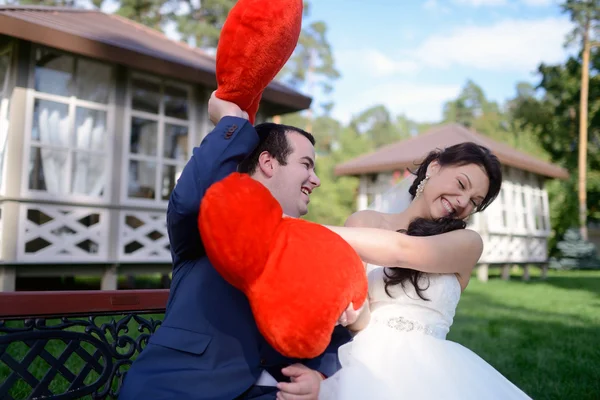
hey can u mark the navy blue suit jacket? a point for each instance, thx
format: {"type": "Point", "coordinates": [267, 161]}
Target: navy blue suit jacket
{"type": "Point", "coordinates": [208, 346]}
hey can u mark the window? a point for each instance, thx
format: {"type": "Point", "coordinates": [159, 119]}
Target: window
{"type": "Point", "coordinates": [525, 207]}
{"type": "Point", "coordinates": [70, 134]}
{"type": "Point", "coordinates": [518, 209]}
{"type": "Point", "coordinates": [5, 60]}
{"type": "Point", "coordinates": [539, 211]}
{"type": "Point", "coordinates": [498, 212]}
{"type": "Point", "coordinates": [504, 209]}
{"type": "Point", "coordinates": [160, 127]}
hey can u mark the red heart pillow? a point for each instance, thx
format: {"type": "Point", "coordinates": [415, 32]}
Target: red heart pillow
{"type": "Point", "coordinates": [257, 39]}
{"type": "Point", "coordinates": [298, 276]}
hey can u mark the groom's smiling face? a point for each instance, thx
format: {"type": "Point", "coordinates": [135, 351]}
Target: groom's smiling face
{"type": "Point", "coordinates": [293, 183]}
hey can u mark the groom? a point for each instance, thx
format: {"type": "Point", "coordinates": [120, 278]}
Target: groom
{"type": "Point", "coordinates": [208, 346]}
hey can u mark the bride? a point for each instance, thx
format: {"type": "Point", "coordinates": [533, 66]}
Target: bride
{"type": "Point", "coordinates": [419, 261]}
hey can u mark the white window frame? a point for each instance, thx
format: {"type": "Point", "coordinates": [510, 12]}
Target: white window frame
{"type": "Point", "coordinates": [494, 218]}
{"type": "Point", "coordinates": [72, 102]}
{"type": "Point", "coordinates": [539, 203]}
{"type": "Point", "coordinates": [516, 207]}
{"type": "Point", "coordinates": [537, 211]}
{"type": "Point", "coordinates": [162, 120]}
{"type": "Point", "coordinates": [520, 223]}
{"type": "Point", "coordinates": [5, 109]}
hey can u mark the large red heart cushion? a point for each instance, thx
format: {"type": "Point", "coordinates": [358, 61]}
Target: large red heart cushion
{"type": "Point", "coordinates": [298, 276]}
{"type": "Point", "coordinates": [257, 39]}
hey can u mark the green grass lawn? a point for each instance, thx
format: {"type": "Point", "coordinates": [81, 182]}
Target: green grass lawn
{"type": "Point", "coordinates": [542, 335]}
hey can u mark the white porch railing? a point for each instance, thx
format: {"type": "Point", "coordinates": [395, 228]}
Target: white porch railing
{"type": "Point", "coordinates": [69, 234]}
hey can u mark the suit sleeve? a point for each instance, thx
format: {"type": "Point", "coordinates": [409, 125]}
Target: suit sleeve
{"type": "Point", "coordinates": [219, 154]}
{"type": "Point", "coordinates": [328, 362]}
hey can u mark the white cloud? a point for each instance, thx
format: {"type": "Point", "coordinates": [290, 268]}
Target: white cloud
{"type": "Point", "coordinates": [420, 102]}
{"type": "Point", "coordinates": [431, 4]}
{"type": "Point", "coordinates": [477, 3]}
{"type": "Point", "coordinates": [434, 5]}
{"type": "Point", "coordinates": [539, 3]}
{"type": "Point", "coordinates": [509, 45]}
{"type": "Point", "coordinates": [374, 63]}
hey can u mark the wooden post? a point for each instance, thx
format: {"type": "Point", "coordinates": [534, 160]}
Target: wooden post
{"type": "Point", "coordinates": [8, 279]}
{"type": "Point", "coordinates": [109, 278]}
{"type": "Point", "coordinates": [544, 270]}
{"type": "Point", "coordinates": [506, 272]}
{"type": "Point", "coordinates": [483, 272]}
{"type": "Point", "coordinates": [526, 276]}
{"type": "Point", "coordinates": [583, 130]}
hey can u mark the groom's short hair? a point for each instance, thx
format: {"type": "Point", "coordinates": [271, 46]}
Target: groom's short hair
{"type": "Point", "coordinates": [272, 139]}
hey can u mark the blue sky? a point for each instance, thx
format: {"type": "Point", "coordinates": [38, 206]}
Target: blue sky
{"type": "Point", "coordinates": [413, 55]}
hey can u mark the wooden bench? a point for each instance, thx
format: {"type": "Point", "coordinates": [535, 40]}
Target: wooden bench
{"type": "Point", "coordinates": [76, 344]}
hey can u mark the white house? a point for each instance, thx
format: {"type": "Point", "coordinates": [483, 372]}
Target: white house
{"type": "Point", "coordinates": [515, 227]}
{"type": "Point", "coordinates": [98, 115]}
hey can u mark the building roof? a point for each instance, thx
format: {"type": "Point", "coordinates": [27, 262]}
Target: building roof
{"type": "Point", "coordinates": [119, 40]}
{"type": "Point", "coordinates": [406, 153]}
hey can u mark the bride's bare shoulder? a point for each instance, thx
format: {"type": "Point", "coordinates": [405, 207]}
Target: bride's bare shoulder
{"type": "Point", "coordinates": [366, 219]}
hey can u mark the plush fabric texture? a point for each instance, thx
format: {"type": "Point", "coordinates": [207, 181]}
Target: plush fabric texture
{"type": "Point", "coordinates": [256, 41]}
{"type": "Point", "coordinates": [298, 276]}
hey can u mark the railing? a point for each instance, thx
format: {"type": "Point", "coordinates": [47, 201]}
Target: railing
{"type": "Point", "coordinates": [69, 345]}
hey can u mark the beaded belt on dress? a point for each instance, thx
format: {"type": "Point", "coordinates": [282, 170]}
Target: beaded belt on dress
{"type": "Point", "coordinates": [402, 324]}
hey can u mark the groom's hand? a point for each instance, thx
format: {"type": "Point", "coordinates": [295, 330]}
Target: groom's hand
{"type": "Point", "coordinates": [304, 384]}
{"type": "Point", "coordinates": [218, 109]}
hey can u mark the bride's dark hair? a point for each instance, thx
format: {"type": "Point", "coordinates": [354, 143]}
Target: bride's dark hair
{"type": "Point", "coordinates": [457, 155]}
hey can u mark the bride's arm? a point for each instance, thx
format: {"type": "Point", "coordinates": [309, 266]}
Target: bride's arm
{"type": "Point", "coordinates": [365, 312]}
{"type": "Point", "coordinates": [453, 252]}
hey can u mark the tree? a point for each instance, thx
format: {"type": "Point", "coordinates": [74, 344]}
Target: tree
{"type": "Point", "coordinates": [54, 3]}
{"type": "Point", "coordinates": [472, 109]}
{"type": "Point", "coordinates": [312, 63]}
{"type": "Point", "coordinates": [470, 105]}
{"type": "Point", "coordinates": [575, 252]}
{"type": "Point", "coordinates": [521, 136]}
{"type": "Point", "coordinates": [377, 124]}
{"type": "Point", "coordinates": [201, 22]}
{"type": "Point", "coordinates": [145, 12]}
{"type": "Point", "coordinates": [586, 15]}
{"type": "Point", "coordinates": [313, 55]}
{"type": "Point", "coordinates": [552, 118]}
{"type": "Point", "coordinates": [325, 130]}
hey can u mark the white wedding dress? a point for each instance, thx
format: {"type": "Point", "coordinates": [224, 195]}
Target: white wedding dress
{"type": "Point", "coordinates": [403, 352]}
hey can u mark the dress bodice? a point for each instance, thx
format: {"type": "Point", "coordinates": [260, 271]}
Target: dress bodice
{"type": "Point", "coordinates": [398, 354]}
{"type": "Point", "coordinates": [405, 310]}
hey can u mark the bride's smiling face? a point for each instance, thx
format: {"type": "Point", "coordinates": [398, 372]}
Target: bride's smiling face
{"type": "Point", "coordinates": [455, 191]}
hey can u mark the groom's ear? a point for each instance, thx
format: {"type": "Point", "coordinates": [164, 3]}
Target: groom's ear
{"type": "Point", "coordinates": [266, 163]}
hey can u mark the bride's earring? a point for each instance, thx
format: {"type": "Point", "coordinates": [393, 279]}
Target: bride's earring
{"type": "Point", "coordinates": [421, 186]}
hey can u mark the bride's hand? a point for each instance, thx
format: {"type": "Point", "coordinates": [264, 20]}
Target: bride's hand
{"type": "Point", "coordinates": [350, 316]}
